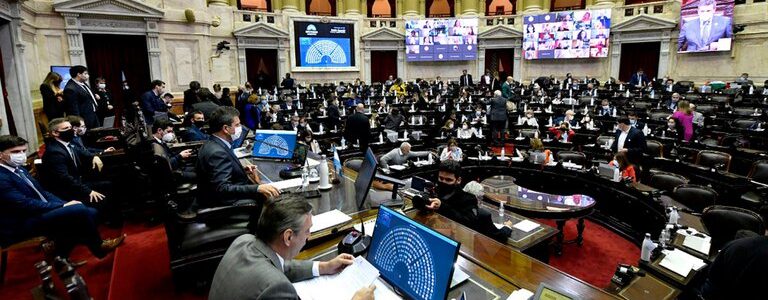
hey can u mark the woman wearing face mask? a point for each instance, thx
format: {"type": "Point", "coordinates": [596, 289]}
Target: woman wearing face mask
{"type": "Point", "coordinates": [452, 152]}
{"type": "Point", "coordinates": [530, 120]}
{"type": "Point", "coordinates": [105, 108]}
{"type": "Point", "coordinates": [625, 167]}
{"type": "Point", "coordinates": [562, 133]}
{"type": "Point", "coordinates": [670, 131]}
{"type": "Point", "coordinates": [307, 138]}
{"type": "Point", "coordinates": [466, 131]}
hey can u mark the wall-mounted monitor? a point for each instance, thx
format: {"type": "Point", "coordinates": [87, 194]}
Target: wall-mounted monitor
{"type": "Point", "coordinates": [705, 25]}
{"type": "Point", "coordinates": [441, 39]}
{"type": "Point", "coordinates": [324, 45]}
{"type": "Point", "coordinates": [567, 34]}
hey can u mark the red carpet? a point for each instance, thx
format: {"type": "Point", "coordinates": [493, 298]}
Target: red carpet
{"type": "Point", "coordinates": [142, 271]}
{"type": "Point", "coordinates": [596, 259]}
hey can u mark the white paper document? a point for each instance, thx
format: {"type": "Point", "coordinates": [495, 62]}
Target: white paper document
{"type": "Point", "coordinates": [697, 243]}
{"type": "Point", "coordinates": [283, 185]}
{"type": "Point", "coordinates": [680, 262]}
{"type": "Point", "coordinates": [356, 276]}
{"type": "Point", "coordinates": [526, 225]}
{"type": "Point", "coordinates": [368, 225]}
{"type": "Point", "coordinates": [328, 219]}
{"type": "Point", "coordinates": [521, 294]}
{"type": "Point", "coordinates": [397, 167]}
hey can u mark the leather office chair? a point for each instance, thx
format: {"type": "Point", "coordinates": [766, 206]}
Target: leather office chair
{"type": "Point", "coordinates": [759, 173]}
{"type": "Point", "coordinates": [643, 105]}
{"type": "Point", "coordinates": [666, 181]}
{"type": "Point", "coordinates": [654, 148]}
{"type": "Point", "coordinates": [722, 223]}
{"type": "Point", "coordinates": [659, 115]}
{"type": "Point", "coordinates": [744, 111]}
{"type": "Point", "coordinates": [714, 159]}
{"type": "Point", "coordinates": [572, 156]}
{"type": "Point", "coordinates": [695, 197]}
{"type": "Point", "coordinates": [603, 140]}
{"type": "Point", "coordinates": [705, 108]}
{"type": "Point", "coordinates": [529, 132]}
{"type": "Point", "coordinates": [742, 123]}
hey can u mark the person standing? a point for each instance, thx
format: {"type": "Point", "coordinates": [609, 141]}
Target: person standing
{"type": "Point", "coordinates": [498, 117]}
{"type": "Point", "coordinates": [53, 96]}
{"type": "Point", "coordinates": [105, 107]}
{"type": "Point", "coordinates": [151, 101]}
{"type": "Point", "coordinates": [79, 99]}
{"type": "Point", "coordinates": [465, 79]}
{"type": "Point", "coordinates": [684, 116]}
{"type": "Point", "coordinates": [358, 128]}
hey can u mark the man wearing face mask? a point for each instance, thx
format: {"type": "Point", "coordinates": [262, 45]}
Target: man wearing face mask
{"type": "Point", "coordinates": [80, 99]}
{"type": "Point", "coordinates": [65, 165]}
{"type": "Point", "coordinates": [162, 133]}
{"type": "Point", "coordinates": [222, 180]}
{"type": "Point", "coordinates": [28, 210]}
{"type": "Point", "coordinates": [151, 101]}
{"type": "Point", "coordinates": [80, 129]}
{"type": "Point", "coordinates": [634, 121]}
{"type": "Point", "coordinates": [105, 108]}
{"type": "Point", "coordinates": [195, 130]}
{"type": "Point", "coordinates": [671, 104]}
{"type": "Point", "coordinates": [605, 108]}
{"type": "Point", "coordinates": [458, 205]}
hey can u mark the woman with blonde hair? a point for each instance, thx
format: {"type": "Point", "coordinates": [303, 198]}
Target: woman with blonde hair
{"type": "Point", "coordinates": [53, 96]}
{"type": "Point", "coordinates": [684, 116]}
{"type": "Point", "coordinates": [538, 154]}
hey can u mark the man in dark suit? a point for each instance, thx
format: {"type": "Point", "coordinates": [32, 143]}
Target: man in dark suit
{"type": "Point", "coordinates": [190, 95]}
{"type": "Point", "coordinates": [80, 99]}
{"type": "Point", "coordinates": [194, 131]}
{"type": "Point", "coordinates": [27, 210]}
{"type": "Point", "coordinates": [288, 82]}
{"type": "Point", "coordinates": [634, 121]}
{"type": "Point", "coordinates": [151, 101]}
{"type": "Point", "coordinates": [498, 117]}
{"type": "Point", "coordinates": [630, 140]}
{"type": "Point", "coordinates": [222, 180]}
{"type": "Point", "coordinates": [465, 79]}
{"type": "Point", "coordinates": [702, 33]}
{"type": "Point", "coordinates": [65, 165]}
{"type": "Point", "coordinates": [162, 133]}
{"type": "Point", "coordinates": [261, 266]}
{"type": "Point", "coordinates": [639, 78]}
{"type": "Point", "coordinates": [459, 205]}
{"type": "Point", "coordinates": [334, 117]}
{"type": "Point", "coordinates": [206, 104]}
{"type": "Point", "coordinates": [358, 128]}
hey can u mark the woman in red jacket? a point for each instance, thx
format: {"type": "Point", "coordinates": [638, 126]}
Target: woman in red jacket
{"type": "Point", "coordinates": [625, 167]}
{"type": "Point", "coordinates": [563, 133]}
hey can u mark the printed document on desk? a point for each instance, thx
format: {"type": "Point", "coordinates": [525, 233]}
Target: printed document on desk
{"type": "Point", "coordinates": [358, 275]}
{"type": "Point", "coordinates": [328, 219]}
{"type": "Point", "coordinates": [680, 262]}
{"type": "Point", "coordinates": [698, 243]}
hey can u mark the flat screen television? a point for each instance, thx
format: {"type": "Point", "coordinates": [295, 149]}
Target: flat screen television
{"type": "Point", "coordinates": [441, 39]}
{"type": "Point", "coordinates": [705, 26]}
{"type": "Point", "coordinates": [324, 45]}
{"type": "Point", "coordinates": [567, 34]}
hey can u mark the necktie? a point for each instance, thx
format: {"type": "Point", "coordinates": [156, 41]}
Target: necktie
{"type": "Point", "coordinates": [85, 86]}
{"type": "Point", "coordinates": [71, 150]}
{"type": "Point", "coordinates": [705, 33]}
{"type": "Point", "coordinates": [21, 174]}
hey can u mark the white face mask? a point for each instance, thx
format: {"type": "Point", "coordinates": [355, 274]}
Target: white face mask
{"type": "Point", "coordinates": [217, 94]}
{"type": "Point", "coordinates": [238, 132]}
{"type": "Point", "coordinates": [465, 127]}
{"type": "Point", "coordinates": [169, 137]}
{"type": "Point", "coordinates": [102, 86]}
{"type": "Point", "coordinates": [17, 159]}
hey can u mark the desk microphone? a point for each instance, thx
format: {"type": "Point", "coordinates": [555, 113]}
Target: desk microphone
{"type": "Point", "coordinates": [356, 242]}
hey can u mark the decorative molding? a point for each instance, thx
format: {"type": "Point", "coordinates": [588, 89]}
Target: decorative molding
{"type": "Point", "coordinates": [112, 25]}
{"type": "Point", "coordinates": [127, 8]}
{"type": "Point", "coordinates": [383, 34]}
{"type": "Point", "coordinates": [500, 32]}
{"type": "Point", "coordinates": [644, 23]}
{"type": "Point", "coordinates": [261, 30]}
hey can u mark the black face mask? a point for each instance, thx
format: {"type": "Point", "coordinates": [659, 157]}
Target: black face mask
{"type": "Point", "coordinates": [199, 124]}
{"type": "Point", "coordinates": [445, 191]}
{"type": "Point", "coordinates": [67, 135]}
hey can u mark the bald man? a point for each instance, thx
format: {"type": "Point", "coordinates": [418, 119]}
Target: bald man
{"type": "Point", "coordinates": [358, 128]}
{"type": "Point", "coordinates": [399, 156]}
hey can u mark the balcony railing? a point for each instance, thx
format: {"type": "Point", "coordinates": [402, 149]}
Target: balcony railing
{"type": "Point", "coordinates": [651, 8]}
{"type": "Point", "coordinates": [254, 16]}
{"type": "Point", "coordinates": [382, 22]}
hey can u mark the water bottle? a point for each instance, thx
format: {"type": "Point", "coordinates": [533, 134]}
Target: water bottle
{"type": "Point", "coordinates": [648, 246]}
{"type": "Point", "coordinates": [673, 216]}
{"type": "Point", "coordinates": [664, 237]}
{"type": "Point", "coordinates": [501, 208]}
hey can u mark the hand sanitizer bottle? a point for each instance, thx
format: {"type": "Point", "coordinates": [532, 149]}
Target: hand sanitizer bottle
{"type": "Point", "coordinates": [647, 248]}
{"type": "Point", "coordinates": [501, 208]}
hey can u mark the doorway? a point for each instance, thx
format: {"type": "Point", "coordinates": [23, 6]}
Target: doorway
{"type": "Point", "coordinates": [639, 55]}
{"type": "Point", "coordinates": [499, 61]}
{"type": "Point", "coordinates": [383, 64]}
{"type": "Point", "coordinates": [115, 56]}
{"type": "Point", "coordinates": [262, 67]}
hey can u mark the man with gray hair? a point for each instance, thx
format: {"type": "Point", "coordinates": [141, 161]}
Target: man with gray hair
{"type": "Point", "coordinates": [498, 117]}
{"type": "Point", "coordinates": [399, 156]}
{"type": "Point", "coordinates": [263, 267]}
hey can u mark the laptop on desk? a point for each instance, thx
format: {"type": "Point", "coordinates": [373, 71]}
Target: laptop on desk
{"type": "Point", "coordinates": [419, 186]}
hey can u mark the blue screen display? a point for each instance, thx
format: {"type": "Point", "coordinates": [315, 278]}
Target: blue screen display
{"type": "Point", "coordinates": [64, 72]}
{"type": "Point", "coordinates": [277, 144]}
{"type": "Point", "coordinates": [415, 259]}
{"type": "Point", "coordinates": [325, 52]}
{"type": "Point", "coordinates": [441, 39]}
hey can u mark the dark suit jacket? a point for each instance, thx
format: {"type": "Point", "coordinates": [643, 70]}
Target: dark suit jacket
{"type": "Point", "coordinates": [635, 80]}
{"type": "Point", "coordinates": [221, 178]}
{"type": "Point", "coordinates": [635, 144]}
{"type": "Point", "coordinates": [18, 203]}
{"type": "Point", "coordinates": [60, 175]}
{"type": "Point", "coordinates": [80, 103]}
{"type": "Point", "coordinates": [51, 105]}
{"type": "Point", "coordinates": [287, 83]}
{"type": "Point", "coordinates": [150, 103]}
{"type": "Point", "coordinates": [468, 80]}
{"type": "Point", "coordinates": [206, 107]}
{"type": "Point", "coordinates": [174, 159]}
{"type": "Point", "coordinates": [334, 117]}
{"type": "Point", "coordinates": [195, 134]}
{"type": "Point", "coordinates": [190, 97]}
{"type": "Point", "coordinates": [358, 127]}
{"type": "Point", "coordinates": [498, 109]}
{"type": "Point", "coordinates": [251, 270]}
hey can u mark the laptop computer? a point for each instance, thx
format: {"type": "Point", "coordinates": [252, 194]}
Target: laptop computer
{"type": "Point", "coordinates": [418, 186]}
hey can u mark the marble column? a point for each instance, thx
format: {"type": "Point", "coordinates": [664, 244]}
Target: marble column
{"type": "Point", "coordinates": [664, 54]}
{"type": "Point", "coordinates": [352, 7]}
{"type": "Point", "coordinates": [604, 3]}
{"type": "Point", "coordinates": [218, 3]}
{"type": "Point", "coordinates": [411, 8]}
{"type": "Point", "coordinates": [290, 5]}
{"type": "Point", "coordinates": [422, 8]}
{"type": "Point", "coordinates": [457, 5]}
{"type": "Point", "coordinates": [153, 48]}
{"type": "Point", "coordinates": [517, 65]}
{"type": "Point", "coordinates": [532, 6]}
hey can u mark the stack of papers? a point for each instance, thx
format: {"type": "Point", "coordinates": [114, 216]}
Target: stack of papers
{"type": "Point", "coordinates": [680, 262]}
{"type": "Point", "coordinates": [358, 275]}
{"type": "Point", "coordinates": [700, 244]}
{"type": "Point", "coordinates": [521, 294]}
{"type": "Point", "coordinates": [397, 167]}
{"type": "Point", "coordinates": [526, 225]}
{"type": "Point", "coordinates": [327, 220]}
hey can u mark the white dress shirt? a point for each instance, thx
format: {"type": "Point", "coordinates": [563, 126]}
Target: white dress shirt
{"type": "Point", "coordinates": [622, 139]}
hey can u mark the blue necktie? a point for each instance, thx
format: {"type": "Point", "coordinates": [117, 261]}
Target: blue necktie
{"type": "Point", "coordinates": [21, 174]}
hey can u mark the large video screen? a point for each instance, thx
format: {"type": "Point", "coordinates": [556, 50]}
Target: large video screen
{"type": "Point", "coordinates": [64, 73]}
{"type": "Point", "coordinates": [441, 39]}
{"type": "Point", "coordinates": [705, 25]}
{"type": "Point", "coordinates": [324, 45]}
{"type": "Point", "coordinates": [567, 34]}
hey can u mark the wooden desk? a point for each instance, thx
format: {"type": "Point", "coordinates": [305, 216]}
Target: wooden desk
{"type": "Point", "coordinates": [654, 267]}
{"type": "Point", "coordinates": [642, 288]}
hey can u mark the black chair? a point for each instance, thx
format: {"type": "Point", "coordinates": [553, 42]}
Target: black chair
{"type": "Point", "coordinates": [722, 223]}
{"type": "Point", "coordinates": [705, 108]}
{"type": "Point", "coordinates": [742, 123]}
{"type": "Point", "coordinates": [604, 140]}
{"type": "Point", "coordinates": [643, 105]}
{"type": "Point", "coordinates": [744, 111]}
{"type": "Point", "coordinates": [654, 148]}
{"type": "Point", "coordinates": [529, 132]}
{"type": "Point", "coordinates": [714, 159]}
{"type": "Point", "coordinates": [573, 157]}
{"type": "Point", "coordinates": [666, 181]}
{"type": "Point", "coordinates": [659, 115]}
{"type": "Point", "coordinates": [759, 173]}
{"type": "Point", "coordinates": [695, 197]}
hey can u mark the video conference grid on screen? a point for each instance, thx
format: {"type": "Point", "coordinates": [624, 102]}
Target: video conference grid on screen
{"type": "Point", "coordinates": [705, 25]}
{"type": "Point", "coordinates": [441, 39]}
{"type": "Point", "coordinates": [567, 34]}
{"type": "Point", "coordinates": [324, 45]}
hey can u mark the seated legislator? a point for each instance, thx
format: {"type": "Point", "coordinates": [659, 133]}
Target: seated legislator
{"type": "Point", "coordinates": [625, 167]}
{"type": "Point", "coordinates": [194, 131]}
{"type": "Point", "coordinates": [65, 164]}
{"type": "Point", "coordinates": [458, 205]}
{"type": "Point", "coordinates": [629, 139]}
{"type": "Point", "coordinates": [529, 119]}
{"type": "Point", "coordinates": [78, 124]}
{"type": "Point", "coordinates": [563, 132]}
{"type": "Point", "coordinates": [27, 210]}
{"type": "Point", "coordinates": [466, 131]}
{"type": "Point", "coordinates": [261, 266]}
{"type": "Point", "coordinates": [222, 180]}
{"type": "Point", "coordinates": [670, 131]}
{"type": "Point", "coordinates": [400, 155]}
{"type": "Point", "coordinates": [452, 152]}
{"type": "Point", "coordinates": [162, 133]}
{"type": "Point", "coordinates": [537, 154]}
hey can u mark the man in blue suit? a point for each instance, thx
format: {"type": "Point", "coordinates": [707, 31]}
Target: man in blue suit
{"type": "Point", "coordinates": [638, 79]}
{"type": "Point", "coordinates": [27, 210]}
{"type": "Point", "coordinates": [152, 102]}
{"type": "Point", "coordinates": [698, 34]}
